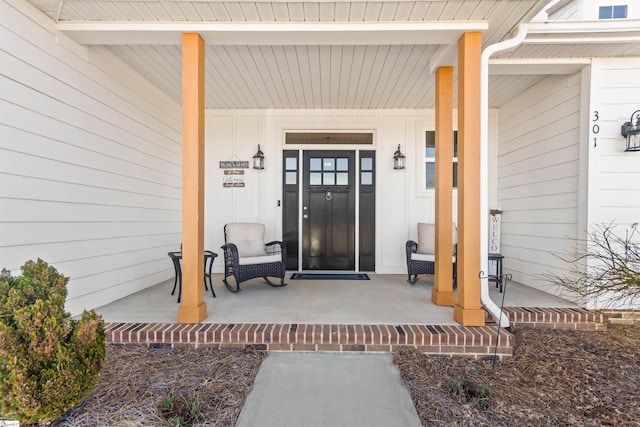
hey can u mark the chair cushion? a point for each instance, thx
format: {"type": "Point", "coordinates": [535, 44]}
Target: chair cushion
{"type": "Point", "coordinates": [423, 257]}
{"type": "Point", "coordinates": [248, 238]}
{"type": "Point", "coordinates": [259, 259]}
{"type": "Point", "coordinates": [426, 238]}
{"type": "Point", "coordinates": [427, 257]}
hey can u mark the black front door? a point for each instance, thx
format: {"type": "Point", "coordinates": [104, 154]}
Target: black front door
{"type": "Point", "coordinates": [328, 210]}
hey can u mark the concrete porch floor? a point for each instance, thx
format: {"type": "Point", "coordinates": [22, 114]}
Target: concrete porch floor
{"type": "Point", "coordinates": [385, 299]}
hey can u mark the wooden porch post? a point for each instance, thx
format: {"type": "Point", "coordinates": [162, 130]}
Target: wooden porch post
{"type": "Point", "coordinates": [467, 311]}
{"type": "Point", "coordinates": [442, 293]}
{"type": "Point", "coordinates": [193, 308]}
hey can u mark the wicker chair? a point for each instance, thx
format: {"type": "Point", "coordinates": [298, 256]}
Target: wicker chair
{"type": "Point", "coordinates": [421, 256]}
{"type": "Point", "coordinates": [246, 256]}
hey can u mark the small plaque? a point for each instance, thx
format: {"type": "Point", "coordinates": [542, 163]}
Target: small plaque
{"type": "Point", "coordinates": [9, 423]}
{"type": "Point", "coordinates": [234, 164]}
{"type": "Point", "coordinates": [233, 180]}
{"type": "Point", "coordinates": [234, 172]}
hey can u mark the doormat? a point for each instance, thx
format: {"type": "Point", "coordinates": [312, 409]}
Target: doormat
{"type": "Point", "coordinates": [330, 276]}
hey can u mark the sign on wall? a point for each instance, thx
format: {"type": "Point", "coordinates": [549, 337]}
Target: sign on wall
{"type": "Point", "coordinates": [233, 178]}
{"type": "Point", "coordinates": [234, 164]}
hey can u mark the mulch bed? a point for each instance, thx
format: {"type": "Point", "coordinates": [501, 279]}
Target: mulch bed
{"type": "Point", "coordinates": [136, 380]}
{"type": "Point", "coordinates": [556, 378]}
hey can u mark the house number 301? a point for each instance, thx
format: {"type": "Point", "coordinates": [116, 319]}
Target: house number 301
{"type": "Point", "coordinates": [595, 128]}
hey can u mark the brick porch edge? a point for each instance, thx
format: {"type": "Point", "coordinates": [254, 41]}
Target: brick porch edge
{"type": "Point", "coordinates": [474, 342]}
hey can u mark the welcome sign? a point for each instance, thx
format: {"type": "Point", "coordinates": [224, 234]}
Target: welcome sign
{"type": "Point", "coordinates": [494, 231]}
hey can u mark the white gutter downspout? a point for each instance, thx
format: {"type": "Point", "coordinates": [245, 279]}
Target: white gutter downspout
{"type": "Point", "coordinates": [488, 304]}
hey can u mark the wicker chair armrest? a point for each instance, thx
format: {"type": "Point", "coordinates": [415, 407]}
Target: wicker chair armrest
{"type": "Point", "coordinates": [411, 248]}
{"type": "Point", "coordinates": [277, 247]}
{"type": "Point", "coordinates": [274, 246]}
{"type": "Point", "coordinates": [231, 253]}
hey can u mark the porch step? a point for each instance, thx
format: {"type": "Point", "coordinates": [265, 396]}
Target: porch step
{"type": "Point", "coordinates": [555, 318]}
{"type": "Point", "coordinates": [475, 342]}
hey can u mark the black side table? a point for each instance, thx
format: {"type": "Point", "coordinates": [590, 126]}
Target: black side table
{"type": "Point", "coordinates": [176, 257]}
{"type": "Point", "coordinates": [496, 278]}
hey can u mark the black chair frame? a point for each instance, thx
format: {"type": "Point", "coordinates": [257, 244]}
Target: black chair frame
{"type": "Point", "coordinates": [242, 273]}
{"type": "Point", "coordinates": [416, 267]}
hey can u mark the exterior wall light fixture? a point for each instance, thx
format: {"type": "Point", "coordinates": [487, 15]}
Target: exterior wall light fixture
{"type": "Point", "coordinates": [399, 160]}
{"type": "Point", "coordinates": [258, 159]}
{"type": "Point", "coordinates": [632, 132]}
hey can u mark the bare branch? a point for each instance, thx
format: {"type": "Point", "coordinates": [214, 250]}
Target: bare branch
{"type": "Point", "coordinates": [604, 266]}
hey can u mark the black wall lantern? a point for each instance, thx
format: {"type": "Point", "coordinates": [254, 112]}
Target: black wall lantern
{"type": "Point", "coordinates": [632, 132]}
{"type": "Point", "coordinates": [398, 159]}
{"type": "Point", "coordinates": [258, 159]}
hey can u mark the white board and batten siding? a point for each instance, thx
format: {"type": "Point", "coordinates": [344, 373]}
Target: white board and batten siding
{"type": "Point", "coordinates": [235, 135]}
{"type": "Point", "coordinates": [538, 177]}
{"type": "Point", "coordinates": [401, 199]}
{"type": "Point", "coordinates": [90, 163]}
{"type": "Point", "coordinates": [614, 175]}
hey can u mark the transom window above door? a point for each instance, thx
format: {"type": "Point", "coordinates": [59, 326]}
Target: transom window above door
{"type": "Point", "coordinates": [323, 138]}
{"type": "Point", "coordinates": [329, 171]}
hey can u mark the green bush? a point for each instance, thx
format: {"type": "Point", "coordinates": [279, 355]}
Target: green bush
{"type": "Point", "coordinates": [49, 361]}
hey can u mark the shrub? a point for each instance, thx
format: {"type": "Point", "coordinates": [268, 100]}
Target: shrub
{"type": "Point", "coordinates": [604, 267]}
{"type": "Point", "coordinates": [50, 361]}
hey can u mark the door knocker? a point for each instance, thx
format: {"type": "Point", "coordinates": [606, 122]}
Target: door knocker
{"type": "Point", "coordinates": [328, 196]}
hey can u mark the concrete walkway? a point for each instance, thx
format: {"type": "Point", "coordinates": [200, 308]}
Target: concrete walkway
{"type": "Point", "coordinates": [328, 389]}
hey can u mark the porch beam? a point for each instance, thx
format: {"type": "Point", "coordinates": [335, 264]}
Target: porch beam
{"type": "Point", "coordinates": [270, 33]}
{"type": "Point", "coordinates": [193, 308]}
{"type": "Point", "coordinates": [442, 293]}
{"type": "Point", "coordinates": [468, 311]}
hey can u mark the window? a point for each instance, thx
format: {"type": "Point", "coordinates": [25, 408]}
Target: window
{"type": "Point", "coordinates": [430, 160]}
{"type": "Point", "coordinates": [366, 171]}
{"type": "Point", "coordinates": [329, 171]}
{"type": "Point", "coordinates": [328, 138]}
{"type": "Point", "coordinates": [613, 12]}
{"type": "Point", "coordinates": [291, 170]}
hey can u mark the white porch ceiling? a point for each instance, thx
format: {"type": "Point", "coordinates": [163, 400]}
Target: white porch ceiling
{"type": "Point", "coordinates": [354, 54]}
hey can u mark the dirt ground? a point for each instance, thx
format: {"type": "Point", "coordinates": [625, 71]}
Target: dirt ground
{"type": "Point", "coordinates": [556, 378]}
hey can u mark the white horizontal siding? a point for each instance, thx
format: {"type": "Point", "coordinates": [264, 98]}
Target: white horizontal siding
{"type": "Point", "coordinates": [90, 163]}
{"type": "Point", "coordinates": [538, 177]}
{"type": "Point", "coordinates": [614, 175]}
